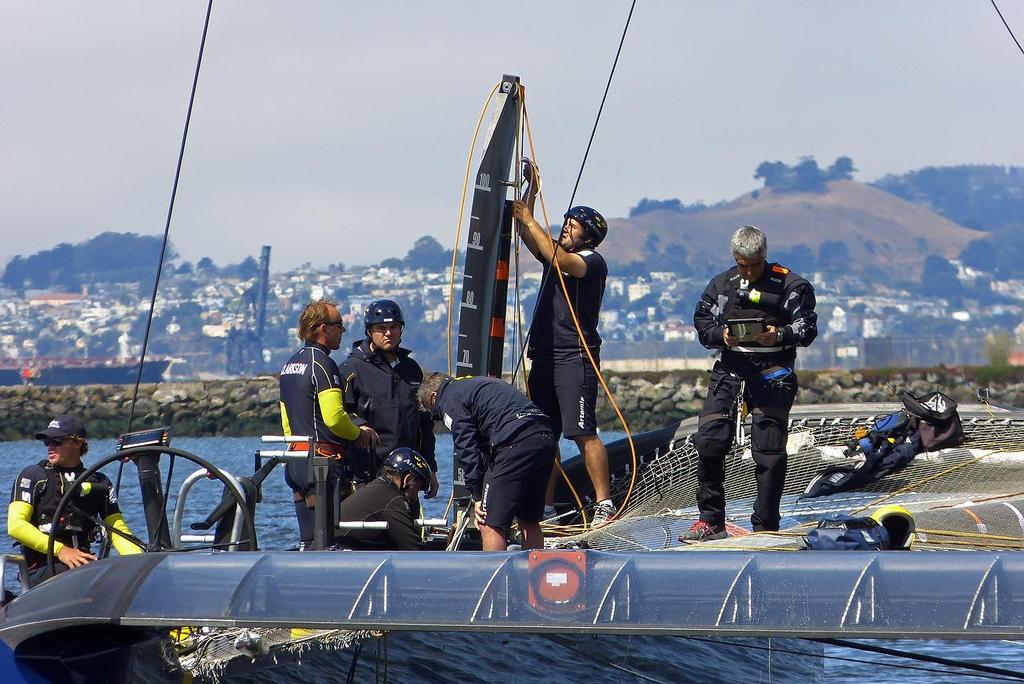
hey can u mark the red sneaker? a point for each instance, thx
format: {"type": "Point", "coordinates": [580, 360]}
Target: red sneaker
{"type": "Point", "coordinates": [702, 532]}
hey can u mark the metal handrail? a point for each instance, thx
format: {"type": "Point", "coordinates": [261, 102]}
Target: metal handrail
{"type": "Point", "coordinates": [177, 539]}
{"type": "Point", "coordinates": [17, 560]}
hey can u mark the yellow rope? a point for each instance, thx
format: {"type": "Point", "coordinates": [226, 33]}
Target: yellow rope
{"type": "Point", "coordinates": [970, 535]}
{"type": "Point", "coordinates": [586, 347]}
{"type": "Point", "coordinates": [455, 248]}
{"type": "Point", "coordinates": [458, 225]}
{"type": "Point", "coordinates": [544, 211]}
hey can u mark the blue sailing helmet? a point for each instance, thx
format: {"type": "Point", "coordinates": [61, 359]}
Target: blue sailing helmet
{"type": "Point", "coordinates": [382, 311]}
{"type": "Point", "coordinates": [409, 462]}
{"type": "Point", "coordinates": [592, 222]}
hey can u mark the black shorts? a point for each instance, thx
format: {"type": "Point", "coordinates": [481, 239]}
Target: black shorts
{"type": "Point", "coordinates": [516, 480]}
{"type": "Point", "coordinates": [566, 391]}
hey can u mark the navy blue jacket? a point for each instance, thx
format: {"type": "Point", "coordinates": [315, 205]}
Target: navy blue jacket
{"type": "Point", "coordinates": [384, 397]}
{"type": "Point", "coordinates": [484, 413]}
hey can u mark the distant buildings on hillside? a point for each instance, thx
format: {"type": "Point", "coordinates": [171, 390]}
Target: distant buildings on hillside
{"type": "Point", "coordinates": [645, 321]}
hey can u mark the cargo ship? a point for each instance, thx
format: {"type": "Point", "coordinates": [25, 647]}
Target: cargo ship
{"type": "Point", "coordinates": [64, 371]}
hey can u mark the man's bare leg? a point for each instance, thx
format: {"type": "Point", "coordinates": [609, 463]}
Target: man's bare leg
{"type": "Point", "coordinates": [492, 538]}
{"type": "Point", "coordinates": [596, 458]}
{"type": "Point", "coordinates": [533, 537]}
{"type": "Point", "coordinates": [556, 475]}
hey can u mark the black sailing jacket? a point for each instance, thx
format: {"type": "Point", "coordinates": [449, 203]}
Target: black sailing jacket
{"type": "Point", "coordinates": [384, 397]}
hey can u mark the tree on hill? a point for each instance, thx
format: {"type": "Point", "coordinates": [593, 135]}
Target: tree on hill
{"type": "Point", "coordinates": [805, 176]}
{"type": "Point", "coordinates": [428, 253]}
{"type": "Point", "coordinates": [833, 256]}
{"type": "Point", "coordinates": [108, 257]}
{"type": "Point", "coordinates": [984, 197]}
{"type": "Point", "coordinates": [939, 279]}
{"type": "Point", "coordinates": [1001, 253]}
{"type": "Point", "coordinates": [646, 206]}
{"type": "Point", "coordinates": [671, 258]}
{"type": "Point", "coordinates": [799, 258]}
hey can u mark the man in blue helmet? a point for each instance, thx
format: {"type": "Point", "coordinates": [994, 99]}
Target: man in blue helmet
{"type": "Point", "coordinates": [380, 380]}
{"type": "Point", "coordinates": [563, 377]}
{"type": "Point", "coordinates": [391, 497]}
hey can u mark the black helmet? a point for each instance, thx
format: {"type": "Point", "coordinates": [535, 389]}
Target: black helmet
{"type": "Point", "coordinates": [592, 222]}
{"type": "Point", "coordinates": [382, 311]}
{"type": "Point", "coordinates": [409, 462]}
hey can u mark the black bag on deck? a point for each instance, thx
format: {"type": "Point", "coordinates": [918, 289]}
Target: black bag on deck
{"type": "Point", "coordinates": [848, 533]}
{"type": "Point", "coordinates": [938, 422]}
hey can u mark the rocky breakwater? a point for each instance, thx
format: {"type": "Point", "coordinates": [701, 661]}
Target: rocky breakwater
{"type": "Point", "coordinates": [650, 400]}
{"type": "Point", "coordinates": [227, 407]}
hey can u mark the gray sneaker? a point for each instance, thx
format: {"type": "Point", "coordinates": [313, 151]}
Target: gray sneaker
{"type": "Point", "coordinates": [603, 513]}
{"type": "Point", "coordinates": [702, 532]}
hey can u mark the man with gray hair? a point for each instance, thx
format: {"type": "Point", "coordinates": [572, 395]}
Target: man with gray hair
{"type": "Point", "coordinates": [756, 314]}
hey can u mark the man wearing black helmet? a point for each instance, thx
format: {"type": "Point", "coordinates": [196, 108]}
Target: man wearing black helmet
{"type": "Point", "coordinates": [392, 497]}
{"type": "Point", "coordinates": [563, 379]}
{"type": "Point", "coordinates": [381, 379]}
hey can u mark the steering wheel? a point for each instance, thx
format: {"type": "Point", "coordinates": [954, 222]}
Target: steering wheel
{"type": "Point", "coordinates": [66, 501]}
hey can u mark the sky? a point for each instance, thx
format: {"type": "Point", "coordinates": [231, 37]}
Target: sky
{"type": "Point", "coordinates": [337, 132]}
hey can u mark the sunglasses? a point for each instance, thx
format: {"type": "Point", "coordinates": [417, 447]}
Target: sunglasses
{"type": "Point", "coordinates": [337, 324]}
{"type": "Point", "coordinates": [55, 441]}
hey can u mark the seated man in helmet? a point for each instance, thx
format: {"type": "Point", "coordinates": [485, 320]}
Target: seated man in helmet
{"type": "Point", "coordinates": [36, 495]}
{"type": "Point", "coordinates": [381, 380]}
{"type": "Point", "coordinates": [563, 377]}
{"type": "Point", "coordinates": [392, 497]}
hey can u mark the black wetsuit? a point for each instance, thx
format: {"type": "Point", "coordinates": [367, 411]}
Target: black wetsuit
{"type": "Point", "coordinates": [562, 380]}
{"type": "Point", "coordinates": [384, 397]}
{"type": "Point", "coordinates": [785, 300]}
{"type": "Point", "coordinates": [380, 500]}
{"type": "Point", "coordinates": [312, 405]}
{"type": "Point", "coordinates": [41, 486]}
{"type": "Point", "coordinates": [503, 443]}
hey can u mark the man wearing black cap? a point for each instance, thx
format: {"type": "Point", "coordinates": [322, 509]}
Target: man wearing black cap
{"type": "Point", "coordinates": [38, 490]}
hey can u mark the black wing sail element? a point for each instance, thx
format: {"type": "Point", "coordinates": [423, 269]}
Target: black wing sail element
{"type": "Point", "coordinates": [485, 280]}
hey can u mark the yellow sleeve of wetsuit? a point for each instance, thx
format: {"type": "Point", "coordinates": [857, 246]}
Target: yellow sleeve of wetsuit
{"type": "Point", "coordinates": [20, 527]}
{"type": "Point", "coordinates": [123, 546]}
{"type": "Point", "coordinates": [286, 427]}
{"type": "Point", "coordinates": [333, 410]}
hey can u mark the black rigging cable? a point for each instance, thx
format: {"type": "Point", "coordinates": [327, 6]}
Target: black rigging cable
{"type": "Point", "coordinates": [579, 176]}
{"type": "Point", "coordinates": [167, 230]}
{"type": "Point", "coordinates": [170, 211]}
{"type": "Point", "coordinates": [996, 7]}
{"type": "Point", "coordinates": [600, 109]}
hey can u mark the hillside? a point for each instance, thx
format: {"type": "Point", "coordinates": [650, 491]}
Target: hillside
{"type": "Point", "coordinates": [876, 227]}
